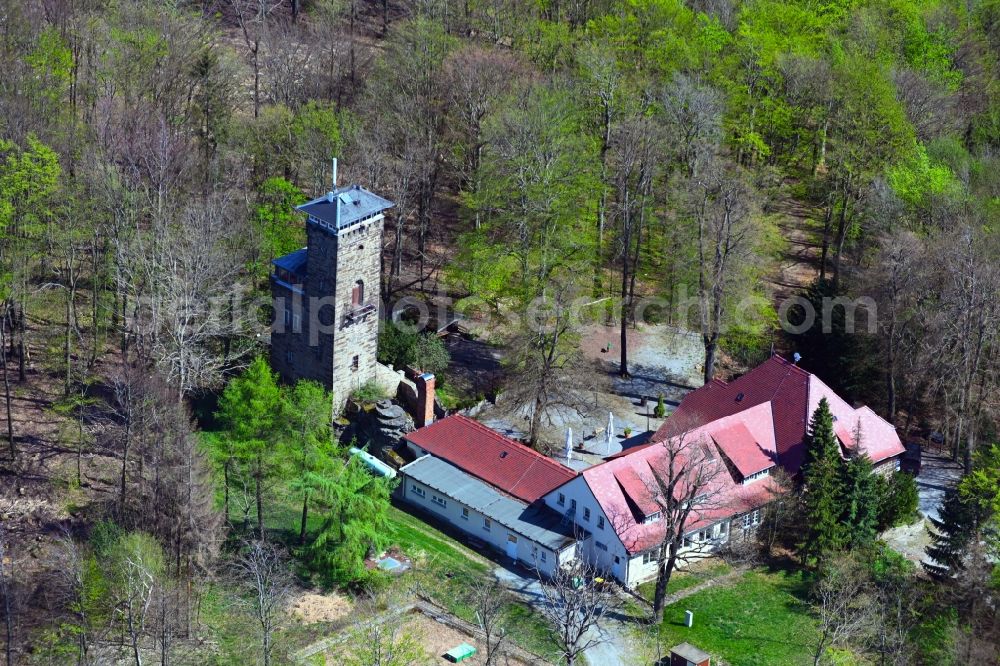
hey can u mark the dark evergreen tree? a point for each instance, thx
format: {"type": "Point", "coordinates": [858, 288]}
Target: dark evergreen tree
{"type": "Point", "coordinates": [958, 522]}
{"type": "Point", "coordinates": [822, 486]}
{"type": "Point", "coordinates": [860, 502]}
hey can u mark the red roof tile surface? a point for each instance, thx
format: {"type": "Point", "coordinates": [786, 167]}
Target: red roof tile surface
{"type": "Point", "coordinates": [793, 394]}
{"type": "Point", "coordinates": [740, 446]}
{"type": "Point", "coordinates": [486, 454]}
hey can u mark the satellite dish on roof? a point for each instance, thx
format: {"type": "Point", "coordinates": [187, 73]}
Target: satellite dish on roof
{"type": "Point", "coordinates": [796, 357]}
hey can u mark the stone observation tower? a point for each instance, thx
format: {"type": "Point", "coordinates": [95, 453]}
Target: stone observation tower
{"type": "Point", "coordinates": [326, 295]}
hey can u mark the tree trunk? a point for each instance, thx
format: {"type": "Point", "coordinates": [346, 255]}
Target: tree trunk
{"type": "Point", "coordinates": [305, 517]}
{"type": "Point", "coordinates": [259, 493]}
{"type": "Point", "coordinates": [6, 390]}
{"type": "Point", "coordinates": [711, 347]}
{"type": "Point", "coordinates": [664, 571]}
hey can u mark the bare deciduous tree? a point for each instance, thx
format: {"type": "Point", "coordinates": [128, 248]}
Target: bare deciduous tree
{"type": "Point", "coordinates": [576, 605]}
{"type": "Point", "coordinates": [263, 570]}
{"type": "Point", "coordinates": [489, 599]}
{"type": "Point", "coordinates": [844, 604]}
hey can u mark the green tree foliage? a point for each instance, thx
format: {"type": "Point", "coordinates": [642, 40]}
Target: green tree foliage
{"type": "Point", "coordinates": [861, 501]}
{"type": "Point", "coordinates": [307, 439]}
{"type": "Point", "coordinates": [959, 521]}
{"type": "Point", "coordinates": [823, 496]}
{"type": "Point", "coordinates": [354, 525]}
{"type": "Point", "coordinates": [277, 226]}
{"type": "Point", "coordinates": [899, 502]}
{"type": "Point", "coordinates": [249, 409]}
{"type": "Point", "coordinates": [400, 346]}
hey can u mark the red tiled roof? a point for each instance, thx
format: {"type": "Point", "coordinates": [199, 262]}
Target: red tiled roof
{"type": "Point", "coordinates": [741, 447]}
{"type": "Point", "coordinates": [793, 395]}
{"type": "Point", "coordinates": [622, 484]}
{"type": "Point", "coordinates": [486, 454]}
{"type": "Point", "coordinates": [637, 490]}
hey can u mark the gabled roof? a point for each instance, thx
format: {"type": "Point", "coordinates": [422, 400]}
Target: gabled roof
{"type": "Point", "coordinates": [625, 487]}
{"type": "Point", "coordinates": [345, 206]}
{"type": "Point", "coordinates": [740, 446]}
{"type": "Point", "coordinates": [536, 522]}
{"type": "Point", "coordinates": [793, 395]}
{"type": "Point", "coordinates": [514, 468]}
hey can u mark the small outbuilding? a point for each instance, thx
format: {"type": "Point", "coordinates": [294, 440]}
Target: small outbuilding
{"type": "Point", "coordinates": [686, 654]}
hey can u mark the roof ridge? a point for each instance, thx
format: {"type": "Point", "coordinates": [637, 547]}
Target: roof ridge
{"type": "Point", "coordinates": [535, 455]}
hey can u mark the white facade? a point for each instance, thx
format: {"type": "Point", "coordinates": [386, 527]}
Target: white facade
{"type": "Point", "coordinates": [602, 548]}
{"type": "Point", "coordinates": [501, 537]}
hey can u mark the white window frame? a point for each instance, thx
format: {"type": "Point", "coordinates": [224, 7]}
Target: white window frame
{"type": "Point", "coordinates": [418, 491]}
{"type": "Point", "coordinates": [465, 513]}
{"type": "Point", "coordinates": [440, 501]}
{"type": "Point", "coordinates": [600, 522]}
{"type": "Point", "coordinates": [586, 514]}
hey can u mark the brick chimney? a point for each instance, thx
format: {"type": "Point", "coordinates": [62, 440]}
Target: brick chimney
{"type": "Point", "coordinates": [424, 412]}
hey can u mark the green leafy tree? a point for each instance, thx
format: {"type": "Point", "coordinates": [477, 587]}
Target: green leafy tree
{"type": "Point", "coordinates": [306, 416]}
{"type": "Point", "coordinates": [249, 408]}
{"type": "Point", "coordinates": [277, 226]}
{"type": "Point", "coordinates": [400, 347]}
{"type": "Point", "coordinates": [822, 486]}
{"type": "Point", "coordinates": [355, 524]}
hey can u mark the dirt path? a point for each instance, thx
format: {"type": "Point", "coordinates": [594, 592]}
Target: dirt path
{"type": "Point", "coordinates": [711, 582]}
{"type": "Point", "coordinates": [801, 226]}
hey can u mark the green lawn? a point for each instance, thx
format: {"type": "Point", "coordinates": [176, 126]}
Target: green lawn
{"type": "Point", "coordinates": [759, 619]}
{"type": "Point", "coordinates": [445, 569]}
{"type": "Point", "coordinates": [682, 580]}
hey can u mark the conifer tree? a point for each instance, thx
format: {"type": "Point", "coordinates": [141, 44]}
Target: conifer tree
{"type": "Point", "coordinates": [958, 522]}
{"type": "Point", "coordinates": [823, 485]}
{"type": "Point", "coordinates": [248, 408]}
{"type": "Point", "coordinates": [860, 501]}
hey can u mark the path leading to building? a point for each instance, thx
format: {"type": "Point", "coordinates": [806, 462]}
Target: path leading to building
{"type": "Point", "coordinates": [937, 474]}
{"type": "Point", "coordinates": [613, 645]}
{"type": "Point", "coordinates": [711, 582]}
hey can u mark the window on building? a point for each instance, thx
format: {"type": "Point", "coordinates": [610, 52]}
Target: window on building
{"type": "Point", "coordinates": [562, 500]}
{"type": "Point", "coordinates": [687, 542]}
{"type": "Point", "coordinates": [572, 506]}
{"type": "Point", "coordinates": [440, 501]}
{"type": "Point", "coordinates": [723, 529]}
{"type": "Point", "coordinates": [618, 560]}
{"type": "Point", "coordinates": [544, 556]}
{"type": "Point", "coordinates": [601, 546]}
{"type": "Point", "coordinates": [465, 512]}
{"type": "Point", "coordinates": [649, 557]}
{"type": "Point", "coordinates": [756, 516]}
{"type": "Point", "coordinates": [586, 514]}
{"type": "Point", "coordinates": [600, 522]}
{"type": "Point", "coordinates": [487, 524]}
{"type": "Point", "coordinates": [289, 357]}
{"type": "Point", "coordinates": [355, 362]}
{"type": "Point", "coordinates": [417, 490]}
{"type": "Point", "coordinates": [296, 323]}
{"type": "Point", "coordinates": [358, 293]}
{"type": "Point", "coordinates": [288, 318]}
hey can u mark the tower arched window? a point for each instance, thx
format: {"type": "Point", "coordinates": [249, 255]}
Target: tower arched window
{"type": "Point", "coordinates": [358, 293]}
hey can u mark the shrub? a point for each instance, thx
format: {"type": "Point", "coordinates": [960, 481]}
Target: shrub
{"type": "Point", "coordinates": [370, 391]}
{"type": "Point", "coordinates": [900, 499]}
{"type": "Point", "coordinates": [661, 408]}
{"type": "Point", "coordinates": [424, 351]}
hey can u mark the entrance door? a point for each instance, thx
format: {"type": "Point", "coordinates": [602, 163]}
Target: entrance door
{"type": "Point", "coordinates": [511, 546]}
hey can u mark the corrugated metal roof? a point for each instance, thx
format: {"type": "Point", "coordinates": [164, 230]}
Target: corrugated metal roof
{"type": "Point", "coordinates": [345, 206]}
{"type": "Point", "coordinates": [535, 522]}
